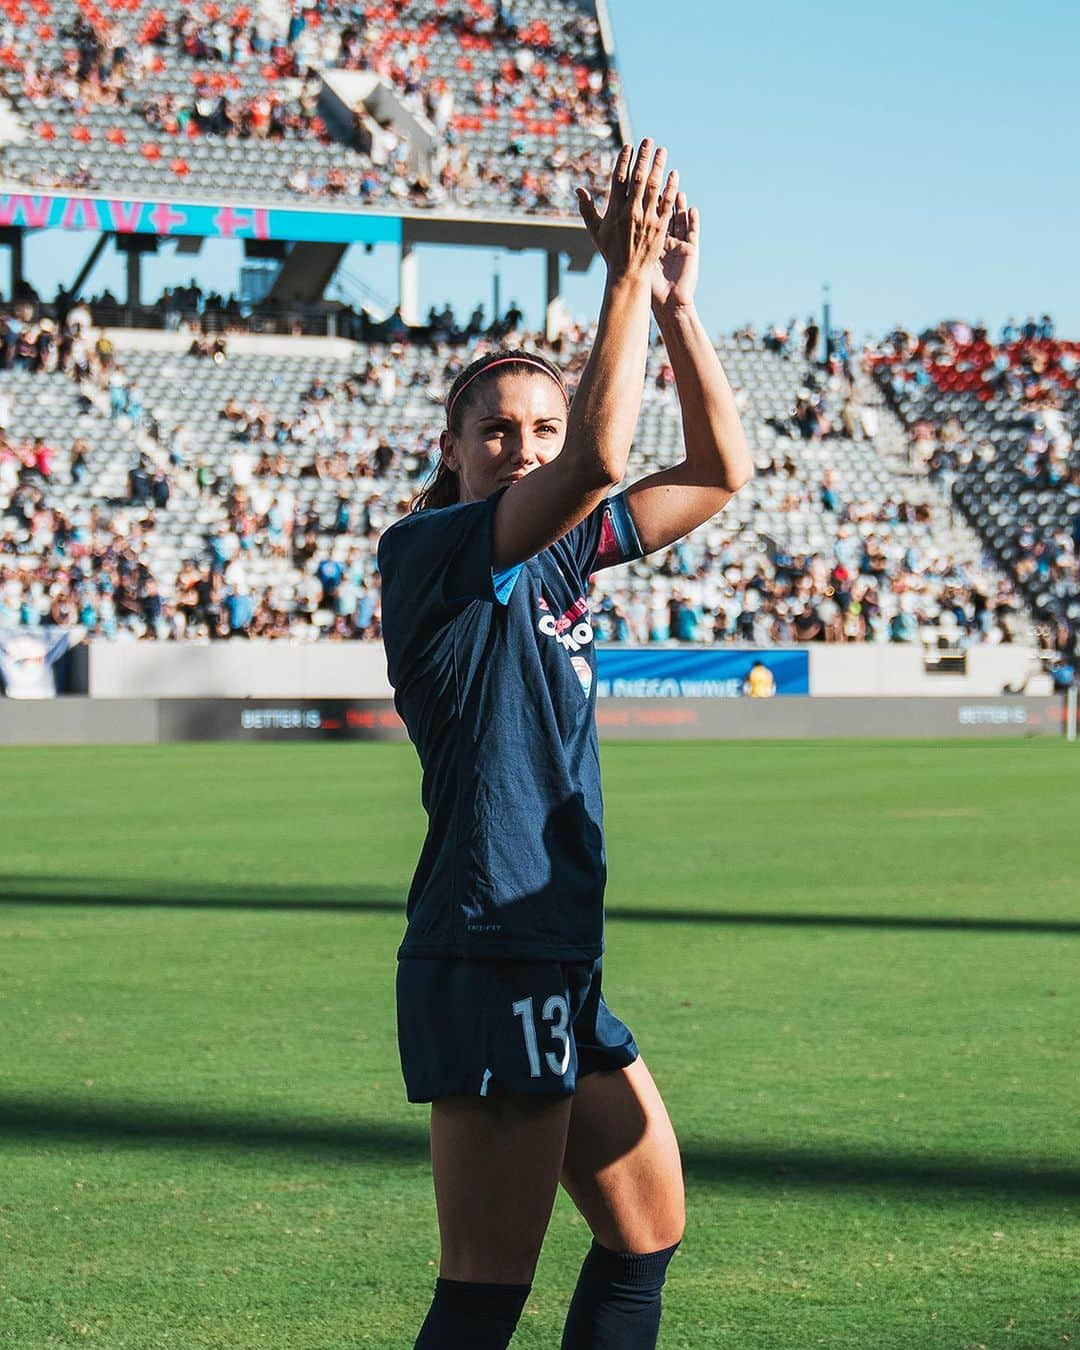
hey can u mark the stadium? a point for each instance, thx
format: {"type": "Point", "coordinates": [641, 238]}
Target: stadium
{"type": "Point", "coordinates": [836, 708]}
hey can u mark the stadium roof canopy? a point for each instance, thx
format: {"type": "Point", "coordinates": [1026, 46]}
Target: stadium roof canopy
{"type": "Point", "coordinates": [222, 219]}
{"type": "Point", "coordinates": [314, 239]}
{"type": "Point", "coordinates": [119, 169]}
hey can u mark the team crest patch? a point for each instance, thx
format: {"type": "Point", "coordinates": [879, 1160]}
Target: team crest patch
{"type": "Point", "coordinates": [584, 672]}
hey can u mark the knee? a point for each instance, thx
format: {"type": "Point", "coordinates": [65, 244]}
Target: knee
{"type": "Point", "coordinates": [480, 1263]}
{"type": "Point", "coordinates": [667, 1229]}
{"type": "Point", "coordinates": [662, 1222]}
{"type": "Point", "coordinates": [675, 1226]}
{"type": "Point", "coordinates": [653, 1231]}
{"type": "Point", "coordinates": [484, 1269]}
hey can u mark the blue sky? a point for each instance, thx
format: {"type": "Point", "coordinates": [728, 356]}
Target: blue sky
{"type": "Point", "coordinates": [921, 159]}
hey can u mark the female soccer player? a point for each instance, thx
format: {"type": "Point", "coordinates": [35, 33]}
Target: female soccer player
{"type": "Point", "coordinates": [502, 1027]}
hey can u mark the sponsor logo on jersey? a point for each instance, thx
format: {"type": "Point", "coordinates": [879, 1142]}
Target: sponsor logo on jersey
{"type": "Point", "coordinates": [571, 629]}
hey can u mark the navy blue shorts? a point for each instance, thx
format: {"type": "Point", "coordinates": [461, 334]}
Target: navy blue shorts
{"type": "Point", "coordinates": [484, 1026]}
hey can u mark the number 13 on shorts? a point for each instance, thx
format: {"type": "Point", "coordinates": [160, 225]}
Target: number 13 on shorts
{"type": "Point", "coordinates": [556, 1012]}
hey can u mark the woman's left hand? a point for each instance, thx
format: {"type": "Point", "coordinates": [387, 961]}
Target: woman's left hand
{"type": "Point", "coordinates": [675, 277]}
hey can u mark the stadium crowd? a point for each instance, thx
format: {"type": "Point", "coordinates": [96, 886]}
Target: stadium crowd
{"type": "Point", "coordinates": [1027, 369]}
{"type": "Point", "coordinates": [498, 102]}
{"type": "Point", "coordinates": [1005, 412]}
{"type": "Point", "coordinates": [883, 578]}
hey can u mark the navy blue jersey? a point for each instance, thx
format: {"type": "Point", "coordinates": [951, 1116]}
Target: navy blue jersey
{"type": "Point", "coordinates": [494, 677]}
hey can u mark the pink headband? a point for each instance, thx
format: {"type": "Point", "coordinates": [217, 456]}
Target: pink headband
{"type": "Point", "coordinates": [502, 361]}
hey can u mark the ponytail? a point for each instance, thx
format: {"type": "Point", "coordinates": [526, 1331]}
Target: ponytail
{"type": "Point", "coordinates": [441, 489]}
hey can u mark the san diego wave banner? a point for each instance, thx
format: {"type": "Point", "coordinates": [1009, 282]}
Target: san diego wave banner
{"type": "Point", "coordinates": [694, 672]}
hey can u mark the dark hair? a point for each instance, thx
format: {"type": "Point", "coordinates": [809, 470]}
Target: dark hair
{"type": "Point", "coordinates": [443, 488]}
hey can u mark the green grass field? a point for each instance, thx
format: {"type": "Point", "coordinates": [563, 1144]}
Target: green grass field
{"type": "Point", "coordinates": [852, 968]}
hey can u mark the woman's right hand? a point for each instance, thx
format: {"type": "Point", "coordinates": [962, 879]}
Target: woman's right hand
{"type": "Point", "coordinates": [630, 234]}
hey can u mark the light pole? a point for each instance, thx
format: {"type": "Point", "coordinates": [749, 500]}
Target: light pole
{"type": "Point", "coordinates": [826, 322]}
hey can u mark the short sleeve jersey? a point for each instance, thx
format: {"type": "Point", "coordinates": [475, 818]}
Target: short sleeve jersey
{"type": "Point", "coordinates": [494, 675]}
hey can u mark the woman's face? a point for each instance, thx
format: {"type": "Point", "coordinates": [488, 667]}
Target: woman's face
{"type": "Point", "coordinates": [511, 423]}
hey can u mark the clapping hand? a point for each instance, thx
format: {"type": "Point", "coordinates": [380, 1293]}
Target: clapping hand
{"type": "Point", "coordinates": [633, 232]}
{"type": "Point", "coordinates": [675, 276]}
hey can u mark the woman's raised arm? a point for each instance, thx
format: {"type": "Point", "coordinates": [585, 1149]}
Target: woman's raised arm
{"type": "Point", "coordinates": [667, 505]}
{"type": "Point", "coordinates": [542, 506]}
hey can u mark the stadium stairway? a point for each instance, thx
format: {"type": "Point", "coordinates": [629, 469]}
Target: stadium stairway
{"type": "Point", "coordinates": [892, 442]}
{"type": "Point", "coordinates": [999, 500]}
{"type": "Point", "coordinates": [893, 446]}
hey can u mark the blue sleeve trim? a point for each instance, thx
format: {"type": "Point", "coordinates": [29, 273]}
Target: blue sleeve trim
{"type": "Point", "coordinates": [503, 582]}
{"type": "Point", "coordinates": [622, 522]}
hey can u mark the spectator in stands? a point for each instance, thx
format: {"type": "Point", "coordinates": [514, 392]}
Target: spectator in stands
{"type": "Point", "coordinates": [139, 482]}
{"type": "Point", "coordinates": [242, 468]}
{"type": "Point", "coordinates": [240, 609]}
{"type": "Point", "coordinates": [760, 682]}
{"type": "Point", "coordinates": [118, 394]}
{"type": "Point", "coordinates": [1062, 671]}
{"type": "Point", "coordinates": [212, 346]}
{"type": "Point", "coordinates": [41, 458]}
{"type": "Point", "coordinates": [777, 339]}
{"type": "Point", "coordinates": [80, 461]}
{"type": "Point", "coordinates": [160, 488]}
{"type": "Point", "coordinates": [329, 572]}
{"type": "Point", "coordinates": [811, 337]}
{"type": "Point", "coordinates": [134, 406]}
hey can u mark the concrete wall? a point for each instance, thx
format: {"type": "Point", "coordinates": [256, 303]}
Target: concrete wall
{"type": "Point", "coordinates": [894, 670]}
{"type": "Point", "coordinates": [272, 669]}
{"type": "Point", "coordinates": [78, 721]}
{"type": "Point", "coordinates": [256, 669]}
{"type": "Point", "coordinates": [261, 344]}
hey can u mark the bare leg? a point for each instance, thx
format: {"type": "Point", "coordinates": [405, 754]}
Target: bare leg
{"type": "Point", "coordinates": [623, 1171]}
{"type": "Point", "coordinates": [496, 1163]}
{"type": "Point", "coordinates": [621, 1166]}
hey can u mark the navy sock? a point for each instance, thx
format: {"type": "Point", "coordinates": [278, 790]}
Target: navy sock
{"type": "Point", "coordinates": [468, 1316]}
{"type": "Point", "coordinates": [616, 1305]}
